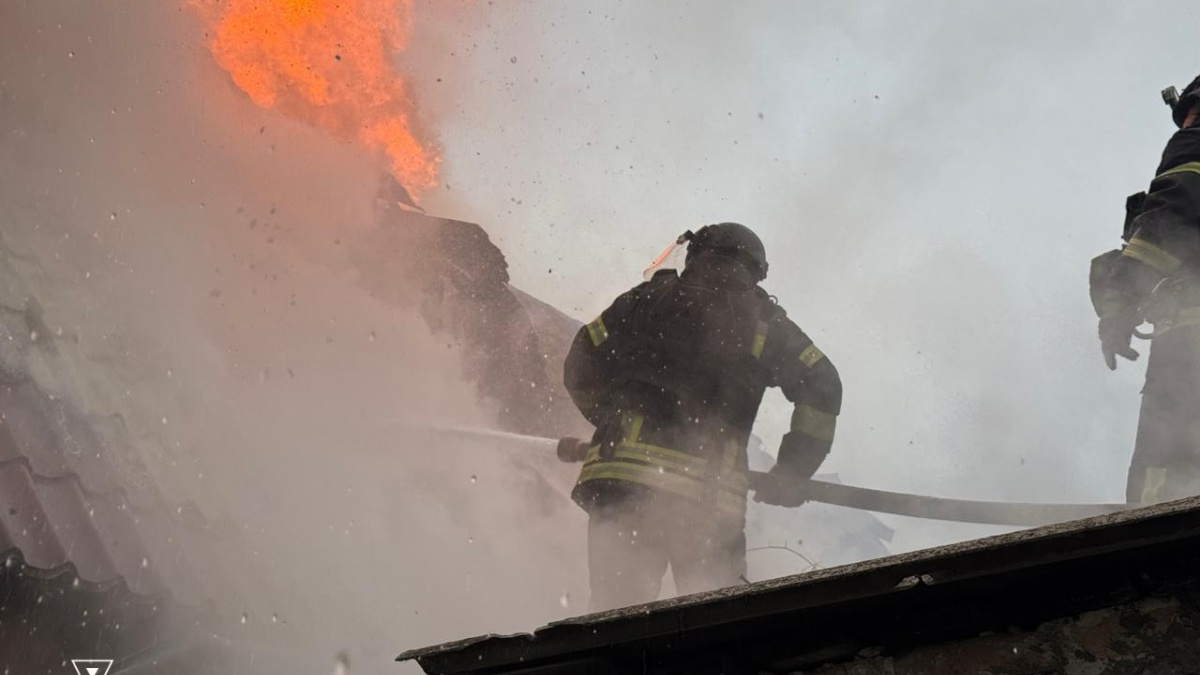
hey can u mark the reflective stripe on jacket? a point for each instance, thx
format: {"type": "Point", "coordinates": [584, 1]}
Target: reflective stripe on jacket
{"type": "Point", "coordinates": [674, 471]}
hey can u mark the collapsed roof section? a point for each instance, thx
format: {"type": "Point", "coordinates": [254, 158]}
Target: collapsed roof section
{"type": "Point", "coordinates": [512, 344]}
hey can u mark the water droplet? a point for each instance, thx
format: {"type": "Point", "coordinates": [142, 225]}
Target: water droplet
{"type": "Point", "coordinates": [145, 563]}
{"type": "Point", "coordinates": [245, 618]}
{"type": "Point", "coordinates": [564, 600]}
{"type": "Point", "coordinates": [470, 540]}
{"type": "Point", "coordinates": [274, 618]}
{"type": "Point", "coordinates": [473, 478]}
{"type": "Point", "coordinates": [70, 55]}
{"type": "Point", "coordinates": [164, 420]}
{"type": "Point", "coordinates": [112, 216]}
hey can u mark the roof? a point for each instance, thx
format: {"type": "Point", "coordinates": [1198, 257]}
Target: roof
{"type": "Point", "coordinates": [64, 511]}
{"type": "Point", "coordinates": [990, 584]}
{"type": "Point", "coordinates": [80, 503]}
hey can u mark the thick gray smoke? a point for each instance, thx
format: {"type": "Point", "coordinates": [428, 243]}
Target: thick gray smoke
{"type": "Point", "coordinates": [930, 178]}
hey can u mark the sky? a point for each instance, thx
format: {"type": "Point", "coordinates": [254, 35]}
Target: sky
{"type": "Point", "coordinates": [931, 180]}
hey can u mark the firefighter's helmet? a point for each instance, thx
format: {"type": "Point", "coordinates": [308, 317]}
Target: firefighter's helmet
{"type": "Point", "coordinates": [1189, 98]}
{"type": "Point", "coordinates": [734, 240]}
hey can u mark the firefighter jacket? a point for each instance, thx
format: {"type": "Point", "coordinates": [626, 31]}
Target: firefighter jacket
{"type": "Point", "coordinates": [672, 375]}
{"type": "Point", "coordinates": [1165, 235]}
{"type": "Point", "coordinates": [1164, 244]}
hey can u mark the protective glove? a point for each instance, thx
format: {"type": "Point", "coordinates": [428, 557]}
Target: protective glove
{"type": "Point", "coordinates": [1120, 285]}
{"type": "Point", "coordinates": [800, 456]}
{"type": "Point", "coordinates": [780, 488]}
{"type": "Point", "coordinates": [1116, 333]}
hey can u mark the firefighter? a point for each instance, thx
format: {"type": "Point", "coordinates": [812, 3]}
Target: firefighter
{"type": "Point", "coordinates": [1155, 277]}
{"type": "Point", "coordinates": [672, 375]}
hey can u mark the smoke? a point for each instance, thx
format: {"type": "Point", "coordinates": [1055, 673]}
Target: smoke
{"type": "Point", "coordinates": [930, 179]}
{"type": "Point", "coordinates": [198, 247]}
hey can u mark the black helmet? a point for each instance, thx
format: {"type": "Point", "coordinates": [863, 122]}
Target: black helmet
{"type": "Point", "coordinates": [1189, 98]}
{"type": "Point", "coordinates": [734, 240]}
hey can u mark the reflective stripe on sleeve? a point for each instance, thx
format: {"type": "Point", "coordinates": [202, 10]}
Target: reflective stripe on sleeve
{"type": "Point", "coordinates": [597, 331]}
{"type": "Point", "coordinates": [811, 355]}
{"type": "Point", "coordinates": [760, 339]}
{"type": "Point", "coordinates": [1144, 251]}
{"type": "Point", "coordinates": [1190, 167]}
{"type": "Point", "coordinates": [812, 422]}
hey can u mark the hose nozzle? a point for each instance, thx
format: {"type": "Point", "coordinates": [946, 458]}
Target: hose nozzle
{"type": "Point", "coordinates": [571, 450]}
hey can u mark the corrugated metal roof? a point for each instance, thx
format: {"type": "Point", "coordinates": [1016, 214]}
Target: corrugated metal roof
{"type": "Point", "coordinates": [64, 510]}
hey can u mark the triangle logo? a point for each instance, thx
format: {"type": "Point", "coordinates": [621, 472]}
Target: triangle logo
{"type": "Point", "coordinates": [92, 666]}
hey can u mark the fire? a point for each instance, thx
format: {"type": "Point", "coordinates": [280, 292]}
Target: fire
{"type": "Point", "coordinates": [327, 62]}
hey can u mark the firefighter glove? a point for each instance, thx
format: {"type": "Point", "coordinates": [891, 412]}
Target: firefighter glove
{"type": "Point", "coordinates": [800, 455]}
{"type": "Point", "coordinates": [781, 488]}
{"type": "Point", "coordinates": [1116, 333]}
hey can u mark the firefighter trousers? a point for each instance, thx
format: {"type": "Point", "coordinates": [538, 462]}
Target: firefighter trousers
{"type": "Point", "coordinates": [632, 543]}
{"type": "Point", "coordinates": [1166, 457]}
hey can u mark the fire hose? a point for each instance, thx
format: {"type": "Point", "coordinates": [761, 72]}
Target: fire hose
{"type": "Point", "coordinates": [850, 496]}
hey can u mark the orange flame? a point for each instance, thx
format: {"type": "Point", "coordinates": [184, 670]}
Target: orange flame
{"type": "Point", "coordinates": [326, 62]}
